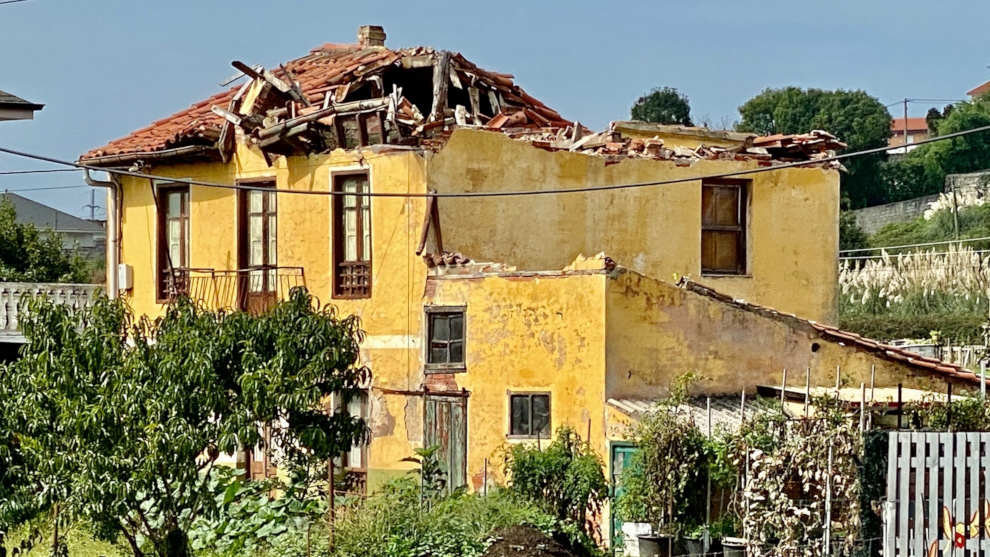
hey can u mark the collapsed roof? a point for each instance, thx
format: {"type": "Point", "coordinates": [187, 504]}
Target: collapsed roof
{"type": "Point", "coordinates": [339, 96]}
{"type": "Point", "coordinates": [348, 96]}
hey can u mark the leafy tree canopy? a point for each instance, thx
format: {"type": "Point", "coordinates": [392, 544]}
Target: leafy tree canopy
{"type": "Point", "coordinates": [664, 106]}
{"type": "Point", "coordinates": [922, 171]}
{"type": "Point", "coordinates": [120, 420]}
{"type": "Point", "coordinates": [857, 118]}
{"type": "Point", "coordinates": [27, 254]}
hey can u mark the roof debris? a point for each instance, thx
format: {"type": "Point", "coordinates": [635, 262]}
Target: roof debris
{"type": "Point", "coordinates": [343, 96]}
{"type": "Point", "coordinates": [357, 95]}
{"type": "Point", "coordinates": [613, 144]}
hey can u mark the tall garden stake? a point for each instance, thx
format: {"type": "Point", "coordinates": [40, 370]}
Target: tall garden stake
{"type": "Point", "coordinates": [708, 487]}
{"type": "Point", "coordinates": [862, 407]}
{"type": "Point", "coordinates": [333, 512]}
{"type": "Point", "coordinates": [828, 503]}
{"type": "Point", "coordinates": [783, 387]}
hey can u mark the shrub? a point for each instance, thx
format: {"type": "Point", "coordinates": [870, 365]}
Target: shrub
{"type": "Point", "coordinates": [566, 477]}
{"type": "Point", "coordinates": [394, 524]}
{"type": "Point", "coordinates": [666, 473]}
{"type": "Point", "coordinates": [784, 494]}
{"type": "Point", "coordinates": [249, 520]}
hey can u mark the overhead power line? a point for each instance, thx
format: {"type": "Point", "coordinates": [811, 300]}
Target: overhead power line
{"type": "Point", "coordinates": [39, 171]}
{"type": "Point", "coordinates": [895, 255]}
{"type": "Point", "coordinates": [921, 245]}
{"type": "Point", "coordinates": [11, 2]}
{"type": "Point", "coordinates": [501, 193]}
{"type": "Point", "coordinates": [46, 188]}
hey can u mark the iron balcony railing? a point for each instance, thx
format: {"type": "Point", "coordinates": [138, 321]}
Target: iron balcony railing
{"type": "Point", "coordinates": [252, 289]}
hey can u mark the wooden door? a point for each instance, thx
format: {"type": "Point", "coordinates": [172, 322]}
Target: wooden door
{"type": "Point", "coordinates": [622, 455]}
{"type": "Point", "coordinates": [257, 250]}
{"type": "Point", "coordinates": [446, 426]}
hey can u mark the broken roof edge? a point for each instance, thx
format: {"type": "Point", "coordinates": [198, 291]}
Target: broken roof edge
{"type": "Point", "coordinates": [640, 126]}
{"type": "Point", "coordinates": [950, 372]}
{"type": "Point", "coordinates": [452, 266]}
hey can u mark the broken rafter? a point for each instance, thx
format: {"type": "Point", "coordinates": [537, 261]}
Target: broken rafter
{"type": "Point", "coordinates": [341, 109]}
{"type": "Point", "coordinates": [441, 78]}
{"type": "Point", "coordinates": [289, 90]}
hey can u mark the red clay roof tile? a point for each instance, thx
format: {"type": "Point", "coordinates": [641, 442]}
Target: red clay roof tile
{"type": "Point", "coordinates": [317, 72]}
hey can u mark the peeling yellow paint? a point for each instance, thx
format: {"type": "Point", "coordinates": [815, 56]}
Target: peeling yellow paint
{"type": "Point", "coordinates": [583, 335]}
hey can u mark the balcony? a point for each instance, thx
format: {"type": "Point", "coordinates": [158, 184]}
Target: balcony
{"type": "Point", "coordinates": [353, 279]}
{"type": "Point", "coordinates": [253, 290]}
{"type": "Point", "coordinates": [12, 294]}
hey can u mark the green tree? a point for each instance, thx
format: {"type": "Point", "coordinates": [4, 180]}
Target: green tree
{"type": "Point", "coordinates": [851, 236]}
{"type": "Point", "coordinates": [664, 106]}
{"type": "Point", "coordinates": [857, 118]}
{"type": "Point", "coordinates": [121, 420]}
{"type": "Point", "coordinates": [922, 171]}
{"type": "Point", "coordinates": [28, 254]}
{"type": "Point", "coordinates": [932, 118]}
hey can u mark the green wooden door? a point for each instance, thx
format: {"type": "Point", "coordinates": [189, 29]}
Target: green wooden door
{"type": "Point", "coordinates": [446, 426]}
{"type": "Point", "coordinates": [621, 458]}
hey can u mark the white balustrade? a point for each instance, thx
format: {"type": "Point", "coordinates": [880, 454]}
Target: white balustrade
{"type": "Point", "coordinates": [12, 293]}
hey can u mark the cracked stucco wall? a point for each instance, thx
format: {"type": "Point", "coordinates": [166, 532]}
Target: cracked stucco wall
{"type": "Point", "coordinates": [793, 218]}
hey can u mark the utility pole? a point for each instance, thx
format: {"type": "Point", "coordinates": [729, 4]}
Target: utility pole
{"type": "Point", "coordinates": [905, 125]}
{"type": "Point", "coordinates": [92, 206]}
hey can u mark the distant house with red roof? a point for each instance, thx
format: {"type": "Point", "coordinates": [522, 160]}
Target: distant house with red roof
{"type": "Point", "coordinates": [979, 90]}
{"type": "Point", "coordinates": [915, 130]}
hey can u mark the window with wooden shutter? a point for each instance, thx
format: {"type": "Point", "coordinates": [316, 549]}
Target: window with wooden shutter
{"type": "Point", "coordinates": [445, 338]}
{"type": "Point", "coordinates": [352, 237]}
{"type": "Point", "coordinates": [173, 241]}
{"type": "Point", "coordinates": [723, 226]}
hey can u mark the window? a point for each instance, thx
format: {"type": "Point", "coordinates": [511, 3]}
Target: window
{"type": "Point", "coordinates": [173, 241]}
{"type": "Point", "coordinates": [354, 463]}
{"type": "Point", "coordinates": [445, 350]}
{"type": "Point", "coordinates": [258, 249]}
{"type": "Point", "coordinates": [529, 415]}
{"type": "Point", "coordinates": [352, 237]}
{"type": "Point", "coordinates": [723, 227]}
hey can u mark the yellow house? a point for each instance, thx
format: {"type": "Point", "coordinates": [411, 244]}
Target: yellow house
{"type": "Point", "coordinates": [376, 178]}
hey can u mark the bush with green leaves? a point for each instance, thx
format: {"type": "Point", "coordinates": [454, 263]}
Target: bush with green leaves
{"type": "Point", "coordinates": [275, 517]}
{"type": "Point", "coordinates": [121, 421]}
{"type": "Point", "coordinates": [967, 412]}
{"type": "Point", "coordinates": [394, 523]}
{"type": "Point", "coordinates": [566, 477]}
{"type": "Point", "coordinates": [667, 473]}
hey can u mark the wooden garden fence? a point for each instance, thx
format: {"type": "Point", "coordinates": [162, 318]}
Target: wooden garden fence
{"type": "Point", "coordinates": [938, 495]}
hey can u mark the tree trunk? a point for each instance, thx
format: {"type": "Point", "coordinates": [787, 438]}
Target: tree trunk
{"type": "Point", "coordinates": [176, 544]}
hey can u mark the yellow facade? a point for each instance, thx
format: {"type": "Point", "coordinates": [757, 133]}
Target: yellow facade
{"type": "Point", "coordinates": [582, 335]}
{"type": "Point", "coordinates": [793, 214]}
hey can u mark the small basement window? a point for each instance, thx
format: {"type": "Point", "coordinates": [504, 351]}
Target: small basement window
{"type": "Point", "coordinates": [445, 330]}
{"type": "Point", "coordinates": [529, 415]}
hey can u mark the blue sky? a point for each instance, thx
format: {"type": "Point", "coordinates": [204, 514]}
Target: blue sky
{"type": "Point", "coordinates": [106, 67]}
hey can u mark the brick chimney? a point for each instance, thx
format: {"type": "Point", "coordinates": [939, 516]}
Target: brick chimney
{"type": "Point", "coordinates": [371, 35]}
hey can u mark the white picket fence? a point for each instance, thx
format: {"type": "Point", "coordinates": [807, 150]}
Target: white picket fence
{"type": "Point", "coordinates": [938, 495]}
